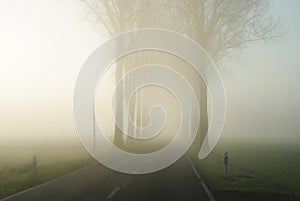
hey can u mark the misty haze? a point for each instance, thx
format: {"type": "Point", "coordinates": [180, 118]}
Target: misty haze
{"type": "Point", "coordinates": [44, 45]}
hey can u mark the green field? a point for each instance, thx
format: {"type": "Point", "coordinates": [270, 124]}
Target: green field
{"type": "Point", "coordinates": [16, 165]}
{"type": "Point", "coordinates": [256, 171]}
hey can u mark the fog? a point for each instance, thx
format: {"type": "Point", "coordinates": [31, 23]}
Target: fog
{"type": "Point", "coordinates": [45, 43]}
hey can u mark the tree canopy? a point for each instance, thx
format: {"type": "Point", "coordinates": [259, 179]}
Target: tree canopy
{"type": "Point", "coordinates": [217, 25]}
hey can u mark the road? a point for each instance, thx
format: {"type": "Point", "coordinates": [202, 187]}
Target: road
{"type": "Point", "coordinates": [96, 183]}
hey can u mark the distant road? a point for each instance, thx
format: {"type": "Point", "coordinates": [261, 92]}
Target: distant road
{"type": "Point", "coordinates": [98, 183]}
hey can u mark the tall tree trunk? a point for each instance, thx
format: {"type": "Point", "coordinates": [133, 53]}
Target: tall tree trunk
{"type": "Point", "coordinates": [124, 65]}
{"type": "Point", "coordinates": [118, 138]}
{"type": "Point", "coordinates": [203, 125]}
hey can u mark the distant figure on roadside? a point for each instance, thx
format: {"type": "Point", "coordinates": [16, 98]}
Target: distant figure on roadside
{"type": "Point", "coordinates": [226, 163]}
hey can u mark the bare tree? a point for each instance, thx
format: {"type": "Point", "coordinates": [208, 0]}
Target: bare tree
{"type": "Point", "coordinates": [219, 26]}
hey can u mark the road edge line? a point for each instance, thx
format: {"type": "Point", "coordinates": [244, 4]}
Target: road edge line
{"type": "Point", "coordinates": [48, 182]}
{"type": "Point", "coordinates": [206, 189]}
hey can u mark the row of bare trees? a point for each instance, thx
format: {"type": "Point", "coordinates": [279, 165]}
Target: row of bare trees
{"type": "Point", "coordinates": [219, 26]}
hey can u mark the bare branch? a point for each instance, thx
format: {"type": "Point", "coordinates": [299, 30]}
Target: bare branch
{"type": "Point", "coordinates": [217, 25]}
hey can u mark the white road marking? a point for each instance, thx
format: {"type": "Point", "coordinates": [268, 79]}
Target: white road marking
{"type": "Point", "coordinates": [209, 194]}
{"type": "Point", "coordinates": [48, 182]}
{"type": "Point", "coordinates": [194, 168]}
{"type": "Point", "coordinates": [113, 193]}
{"type": "Point", "coordinates": [127, 183]}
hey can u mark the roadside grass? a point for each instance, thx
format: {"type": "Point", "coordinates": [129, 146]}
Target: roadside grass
{"type": "Point", "coordinates": [258, 172]}
{"type": "Point", "coordinates": [16, 166]}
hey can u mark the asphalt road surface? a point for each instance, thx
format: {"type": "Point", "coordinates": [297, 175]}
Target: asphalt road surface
{"type": "Point", "coordinates": [96, 183]}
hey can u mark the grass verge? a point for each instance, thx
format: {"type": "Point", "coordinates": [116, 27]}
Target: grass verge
{"type": "Point", "coordinates": [256, 172]}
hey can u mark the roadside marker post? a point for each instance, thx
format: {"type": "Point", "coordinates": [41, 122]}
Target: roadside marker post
{"type": "Point", "coordinates": [34, 164]}
{"type": "Point", "coordinates": [226, 163]}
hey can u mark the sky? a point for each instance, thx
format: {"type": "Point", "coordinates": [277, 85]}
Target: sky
{"type": "Point", "coordinates": [263, 85]}
{"type": "Point", "coordinates": [45, 43]}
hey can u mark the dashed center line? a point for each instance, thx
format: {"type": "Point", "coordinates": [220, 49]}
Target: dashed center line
{"type": "Point", "coordinates": [117, 189]}
{"type": "Point", "coordinates": [127, 183]}
{"type": "Point", "coordinates": [113, 193]}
